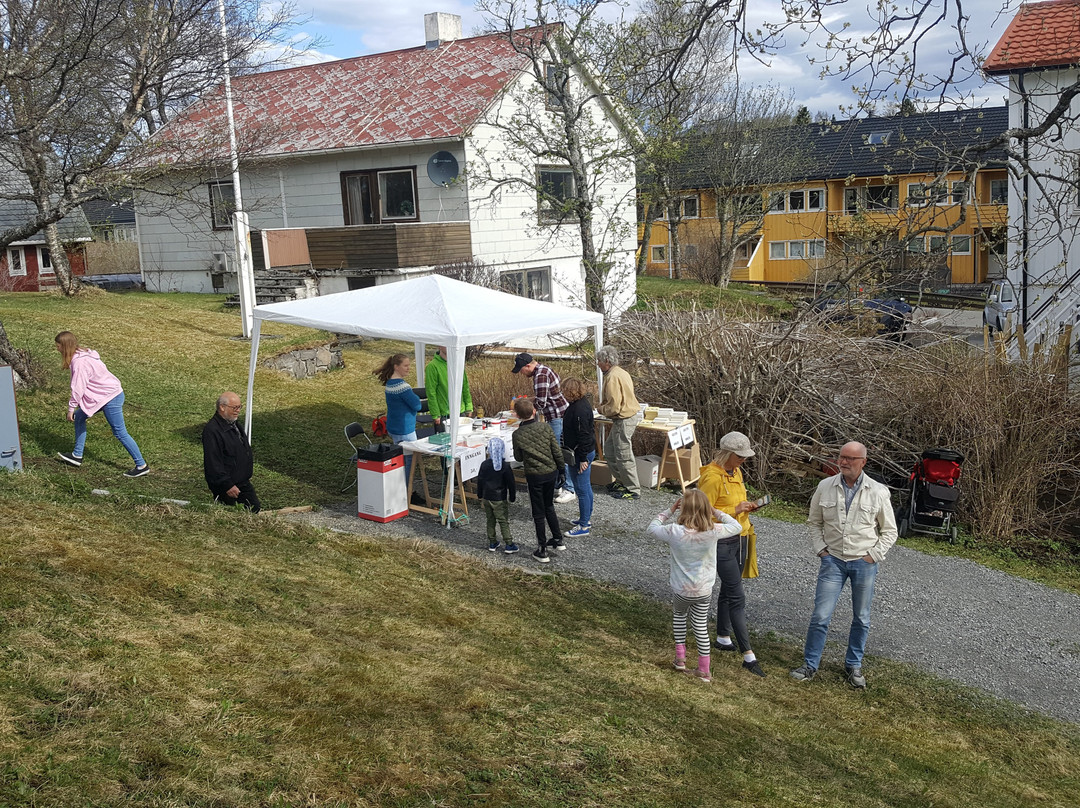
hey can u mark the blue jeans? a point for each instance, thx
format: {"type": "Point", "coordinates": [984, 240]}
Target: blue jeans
{"type": "Point", "coordinates": [582, 484]}
{"type": "Point", "coordinates": [830, 582]}
{"type": "Point", "coordinates": [556, 427]}
{"type": "Point", "coordinates": [408, 455]}
{"type": "Point", "coordinates": [114, 414]}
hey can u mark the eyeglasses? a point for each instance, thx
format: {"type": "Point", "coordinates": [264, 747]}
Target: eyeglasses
{"type": "Point", "coordinates": [851, 459]}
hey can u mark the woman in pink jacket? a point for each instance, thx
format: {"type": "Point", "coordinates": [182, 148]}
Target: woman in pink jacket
{"type": "Point", "coordinates": [93, 388]}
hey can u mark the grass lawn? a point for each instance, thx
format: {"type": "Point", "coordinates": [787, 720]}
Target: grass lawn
{"type": "Point", "coordinates": [175, 657]}
{"type": "Point", "coordinates": [163, 656]}
{"type": "Point", "coordinates": [684, 293]}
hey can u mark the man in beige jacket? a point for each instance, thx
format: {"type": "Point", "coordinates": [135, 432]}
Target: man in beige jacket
{"type": "Point", "coordinates": [620, 405]}
{"type": "Point", "coordinates": [852, 527]}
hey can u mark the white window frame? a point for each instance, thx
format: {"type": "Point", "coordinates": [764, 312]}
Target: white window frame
{"type": "Point", "coordinates": [545, 215]}
{"type": "Point", "coordinates": [961, 188]}
{"type": "Point", "coordinates": [773, 245]}
{"type": "Point", "coordinates": [657, 253]}
{"type": "Point", "coordinates": [954, 240]}
{"type": "Point", "coordinates": [824, 200]}
{"type": "Point", "coordinates": [878, 138]}
{"type": "Point", "coordinates": [697, 206]}
{"type": "Point", "coordinates": [815, 248]}
{"type": "Point", "coordinates": [796, 249]}
{"type": "Point", "coordinates": [221, 205]}
{"type": "Point", "coordinates": [44, 261]}
{"type": "Point", "coordinates": [1005, 197]}
{"type": "Point", "coordinates": [522, 282]}
{"type": "Point", "coordinates": [775, 196]}
{"type": "Point", "coordinates": [16, 257]}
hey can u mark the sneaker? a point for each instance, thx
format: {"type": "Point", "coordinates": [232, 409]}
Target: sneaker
{"type": "Point", "coordinates": [556, 544]}
{"type": "Point", "coordinates": [510, 548]}
{"type": "Point", "coordinates": [719, 646]}
{"type": "Point", "coordinates": [855, 677]}
{"type": "Point", "coordinates": [754, 668]}
{"type": "Point", "coordinates": [70, 459]}
{"type": "Point", "coordinates": [803, 673]}
{"type": "Point", "coordinates": [680, 663]}
{"type": "Point", "coordinates": [565, 496]}
{"type": "Point", "coordinates": [138, 471]}
{"type": "Point", "coordinates": [615, 485]}
{"type": "Point", "coordinates": [624, 494]}
{"type": "Point", "coordinates": [578, 532]}
{"type": "Point", "coordinates": [541, 555]}
{"type": "Point", "coordinates": [493, 546]}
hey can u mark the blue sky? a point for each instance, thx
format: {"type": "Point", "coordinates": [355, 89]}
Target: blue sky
{"type": "Point", "coordinates": [352, 28]}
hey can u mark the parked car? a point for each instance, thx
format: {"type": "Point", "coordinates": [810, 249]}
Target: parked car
{"type": "Point", "coordinates": [1000, 302]}
{"type": "Point", "coordinates": [838, 303]}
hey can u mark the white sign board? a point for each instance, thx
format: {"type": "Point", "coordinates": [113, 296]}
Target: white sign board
{"type": "Point", "coordinates": [470, 462]}
{"type": "Point", "coordinates": [686, 434]}
{"type": "Point", "coordinates": [675, 438]}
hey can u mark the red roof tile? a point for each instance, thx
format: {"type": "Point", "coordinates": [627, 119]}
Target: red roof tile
{"type": "Point", "coordinates": [381, 99]}
{"type": "Point", "coordinates": [1040, 35]}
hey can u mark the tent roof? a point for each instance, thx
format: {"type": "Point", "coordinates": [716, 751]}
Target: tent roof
{"type": "Point", "coordinates": [433, 309]}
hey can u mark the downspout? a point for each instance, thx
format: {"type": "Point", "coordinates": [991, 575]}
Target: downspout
{"type": "Point", "coordinates": [1025, 214]}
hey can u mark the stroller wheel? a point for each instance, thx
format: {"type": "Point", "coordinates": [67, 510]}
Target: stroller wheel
{"type": "Point", "coordinates": [902, 527]}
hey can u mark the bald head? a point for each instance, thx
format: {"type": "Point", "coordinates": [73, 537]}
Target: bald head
{"type": "Point", "coordinates": [852, 461]}
{"type": "Point", "coordinates": [229, 406]}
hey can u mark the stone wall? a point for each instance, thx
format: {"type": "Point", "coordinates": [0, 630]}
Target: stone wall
{"type": "Point", "coordinates": [307, 361]}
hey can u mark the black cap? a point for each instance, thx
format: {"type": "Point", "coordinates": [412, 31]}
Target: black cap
{"type": "Point", "coordinates": [521, 360]}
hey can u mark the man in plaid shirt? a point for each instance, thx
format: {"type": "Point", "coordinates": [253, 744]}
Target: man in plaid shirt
{"type": "Point", "coordinates": [551, 402]}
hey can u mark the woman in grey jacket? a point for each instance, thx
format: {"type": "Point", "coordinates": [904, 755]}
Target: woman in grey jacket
{"type": "Point", "coordinates": [538, 451]}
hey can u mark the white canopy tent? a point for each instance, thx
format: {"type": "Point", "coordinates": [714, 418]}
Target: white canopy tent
{"type": "Point", "coordinates": [429, 310]}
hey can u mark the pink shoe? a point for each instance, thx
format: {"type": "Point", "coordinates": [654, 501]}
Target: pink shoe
{"type": "Point", "coordinates": [702, 671]}
{"type": "Point", "coordinates": [680, 657]}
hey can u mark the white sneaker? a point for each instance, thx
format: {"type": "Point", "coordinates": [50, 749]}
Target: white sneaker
{"type": "Point", "coordinates": [565, 496]}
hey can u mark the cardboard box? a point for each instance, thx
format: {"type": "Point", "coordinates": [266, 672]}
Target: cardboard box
{"type": "Point", "coordinates": [599, 473]}
{"type": "Point", "coordinates": [689, 460]}
{"type": "Point", "coordinates": [648, 470]}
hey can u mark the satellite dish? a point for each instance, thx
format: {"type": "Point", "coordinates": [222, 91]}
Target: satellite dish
{"type": "Point", "coordinates": [442, 168]}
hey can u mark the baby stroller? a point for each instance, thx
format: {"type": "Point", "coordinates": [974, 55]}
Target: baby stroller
{"type": "Point", "coordinates": [933, 495]}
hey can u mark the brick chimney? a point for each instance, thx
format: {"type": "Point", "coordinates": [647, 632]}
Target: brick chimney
{"type": "Point", "coordinates": [440, 28]}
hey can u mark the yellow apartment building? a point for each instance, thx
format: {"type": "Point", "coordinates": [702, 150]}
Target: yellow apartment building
{"type": "Point", "coordinates": [891, 187]}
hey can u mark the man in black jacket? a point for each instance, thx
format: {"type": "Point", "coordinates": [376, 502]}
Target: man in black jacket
{"type": "Point", "coordinates": [227, 459]}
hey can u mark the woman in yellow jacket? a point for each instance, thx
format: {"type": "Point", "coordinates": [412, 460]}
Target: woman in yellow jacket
{"type": "Point", "coordinates": [722, 482]}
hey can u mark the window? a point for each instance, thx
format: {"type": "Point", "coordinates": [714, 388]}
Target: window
{"type": "Point", "coordinates": [797, 249]}
{"type": "Point", "coordinates": [555, 85]}
{"type": "Point", "coordinates": [878, 139]}
{"type": "Point", "coordinates": [881, 197]}
{"type": "Point", "coordinates": [222, 205]}
{"type": "Point", "coordinates": [44, 259]}
{"type": "Point", "coordinates": [16, 265]}
{"type": "Point", "coordinates": [534, 284]}
{"type": "Point", "coordinates": [659, 253]}
{"type": "Point", "coordinates": [397, 197]}
{"type": "Point", "coordinates": [999, 192]}
{"type": "Point", "coordinates": [803, 201]}
{"type": "Point", "coordinates": [961, 245]}
{"type": "Point", "coordinates": [959, 192]}
{"type": "Point", "coordinates": [373, 197]}
{"type": "Point", "coordinates": [938, 244]}
{"type": "Point", "coordinates": [555, 195]}
{"type": "Point", "coordinates": [690, 251]}
{"type": "Point", "coordinates": [916, 245]}
{"type": "Point", "coordinates": [776, 202]}
{"type": "Point", "coordinates": [852, 200]}
{"type": "Point", "coordinates": [687, 208]}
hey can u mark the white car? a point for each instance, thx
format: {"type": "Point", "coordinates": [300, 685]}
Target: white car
{"type": "Point", "coordinates": [1000, 302]}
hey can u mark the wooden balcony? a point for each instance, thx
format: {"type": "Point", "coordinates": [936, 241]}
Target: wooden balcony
{"type": "Point", "coordinates": [363, 247]}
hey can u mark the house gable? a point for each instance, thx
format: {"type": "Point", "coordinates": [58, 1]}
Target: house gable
{"type": "Point", "coordinates": [1040, 35]}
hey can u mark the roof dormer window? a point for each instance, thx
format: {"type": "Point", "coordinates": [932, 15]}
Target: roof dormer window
{"type": "Point", "coordinates": [878, 139]}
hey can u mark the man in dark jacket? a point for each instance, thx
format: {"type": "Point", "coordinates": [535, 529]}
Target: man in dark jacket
{"type": "Point", "coordinates": [227, 459]}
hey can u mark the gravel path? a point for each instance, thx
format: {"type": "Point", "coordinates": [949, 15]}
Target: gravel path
{"type": "Point", "coordinates": [1010, 637]}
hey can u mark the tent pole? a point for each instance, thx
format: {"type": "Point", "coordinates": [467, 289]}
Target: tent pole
{"type": "Point", "coordinates": [256, 329]}
{"type": "Point", "coordinates": [419, 348]}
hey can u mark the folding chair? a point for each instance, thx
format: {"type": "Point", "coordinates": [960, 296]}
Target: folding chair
{"type": "Point", "coordinates": [353, 431]}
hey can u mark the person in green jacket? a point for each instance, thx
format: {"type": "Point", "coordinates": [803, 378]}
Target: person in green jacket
{"type": "Point", "coordinates": [437, 383]}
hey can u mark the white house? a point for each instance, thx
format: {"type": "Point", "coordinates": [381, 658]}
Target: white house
{"type": "Point", "coordinates": [357, 175]}
{"type": "Point", "coordinates": [1039, 54]}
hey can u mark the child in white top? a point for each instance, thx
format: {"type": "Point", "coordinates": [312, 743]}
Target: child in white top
{"type": "Point", "coordinates": [693, 539]}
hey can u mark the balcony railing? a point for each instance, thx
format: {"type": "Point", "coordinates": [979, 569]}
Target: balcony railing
{"type": "Point", "coordinates": [363, 247]}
